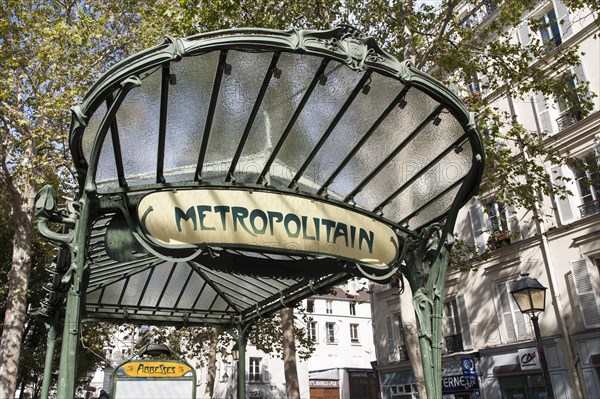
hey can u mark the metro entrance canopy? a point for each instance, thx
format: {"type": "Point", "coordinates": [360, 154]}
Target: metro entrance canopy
{"type": "Point", "coordinates": [227, 175]}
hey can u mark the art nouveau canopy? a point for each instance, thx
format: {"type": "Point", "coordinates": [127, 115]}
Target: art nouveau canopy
{"type": "Point", "coordinates": [226, 175]}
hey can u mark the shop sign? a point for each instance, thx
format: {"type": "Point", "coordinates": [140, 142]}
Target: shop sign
{"type": "Point", "coordinates": [459, 383]}
{"type": "Point", "coordinates": [529, 359]}
{"type": "Point", "coordinates": [324, 383]}
{"type": "Point", "coordinates": [468, 366]}
{"type": "Point", "coordinates": [155, 369]}
{"type": "Point", "coordinates": [265, 221]}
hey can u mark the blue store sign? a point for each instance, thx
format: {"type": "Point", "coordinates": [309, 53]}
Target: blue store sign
{"type": "Point", "coordinates": [468, 366]}
{"type": "Point", "coordinates": [459, 383]}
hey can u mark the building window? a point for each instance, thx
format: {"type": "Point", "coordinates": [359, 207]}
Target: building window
{"type": "Point", "coordinates": [329, 307]}
{"type": "Point", "coordinates": [569, 104]}
{"type": "Point", "coordinates": [354, 333]}
{"type": "Point", "coordinates": [456, 329]}
{"type": "Point", "coordinates": [587, 176]}
{"type": "Point", "coordinates": [310, 305]}
{"type": "Point", "coordinates": [396, 344]}
{"type": "Point", "coordinates": [549, 30]}
{"type": "Point", "coordinates": [353, 308]}
{"type": "Point", "coordinates": [331, 329]}
{"type": "Point", "coordinates": [254, 370]}
{"type": "Point", "coordinates": [312, 331]}
{"type": "Point", "coordinates": [512, 320]}
{"type": "Point", "coordinates": [502, 225]}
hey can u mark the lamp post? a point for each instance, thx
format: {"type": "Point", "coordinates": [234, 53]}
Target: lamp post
{"type": "Point", "coordinates": [530, 296]}
{"type": "Point", "coordinates": [241, 380]}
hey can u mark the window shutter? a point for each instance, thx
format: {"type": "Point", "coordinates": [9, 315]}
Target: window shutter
{"type": "Point", "coordinates": [543, 114]}
{"type": "Point", "coordinates": [562, 15]}
{"type": "Point", "coordinates": [465, 327]}
{"type": "Point", "coordinates": [588, 303]}
{"type": "Point", "coordinates": [506, 313]}
{"type": "Point", "coordinates": [477, 226]}
{"type": "Point", "coordinates": [565, 205]}
{"type": "Point", "coordinates": [523, 34]}
{"type": "Point", "coordinates": [391, 342]}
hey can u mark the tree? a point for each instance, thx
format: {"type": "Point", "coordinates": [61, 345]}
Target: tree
{"type": "Point", "coordinates": [51, 52]}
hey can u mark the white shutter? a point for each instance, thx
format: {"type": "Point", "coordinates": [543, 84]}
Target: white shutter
{"type": "Point", "coordinates": [564, 22]}
{"type": "Point", "coordinates": [391, 342]}
{"type": "Point", "coordinates": [543, 114]}
{"type": "Point", "coordinates": [477, 226]}
{"type": "Point", "coordinates": [566, 206]}
{"type": "Point", "coordinates": [465, 327]}
{"type": "Point", "coordinates": [506, 313]}
{"type": "Point", "coordinates": [512, 318]}
{"type": "Point", "coordinates": [523, 34]}
{"type": "Point", "coordinates": [588, 303]}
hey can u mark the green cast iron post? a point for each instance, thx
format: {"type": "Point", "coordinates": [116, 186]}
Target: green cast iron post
{"type": "Point", "coordinates": [426, 268]}
{"type": "Point", "coordinates": [50, 348]}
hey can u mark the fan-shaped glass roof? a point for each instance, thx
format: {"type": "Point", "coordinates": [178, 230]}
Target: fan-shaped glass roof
{"type": "Point", "coordinates": [258, 132]}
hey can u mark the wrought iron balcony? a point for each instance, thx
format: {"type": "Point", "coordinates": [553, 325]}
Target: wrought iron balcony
{"type": "Point", "coordinates": [568, 118]}
{"type": "Point", "coordinates": [589, 208]}
{"type": "Point", "coordinates": [454, 343]}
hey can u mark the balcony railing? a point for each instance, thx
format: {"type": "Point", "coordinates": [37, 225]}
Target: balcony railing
{"type": "Point", "coordinates": [568, 118]}
{"type": "Point", "coordinates": [589, 208]}
{"type": "Point", "coordinates": [454, 343]}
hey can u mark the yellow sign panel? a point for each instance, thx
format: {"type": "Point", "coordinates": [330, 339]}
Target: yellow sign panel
{"type": "Point", "coordinates": [264, 220]}
{"type": "Point", "coordinates": [153, 368]}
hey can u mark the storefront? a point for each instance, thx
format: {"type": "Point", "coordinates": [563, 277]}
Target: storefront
{"type": "Point", "coordinates": [589, 355]}
{"type": "Point", "coordinates": [460, 379]}
{"type": "Point", "coordinates": [362, 383]}
{"type": "Point", "coordinates": [514, 372]}
{"type": "Point", "coordinates": [398, 384]}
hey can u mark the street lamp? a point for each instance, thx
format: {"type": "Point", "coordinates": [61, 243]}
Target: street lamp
{"type": "Point", "coordinates": [235, 352]}
{"type": "Point", "coordinates": [530, 295]}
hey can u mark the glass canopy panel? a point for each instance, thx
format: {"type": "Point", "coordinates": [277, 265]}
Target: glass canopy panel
{"type": "Point", "coordinates": [135, 288]}
{"type": "Point", "coordinates": [137, 121]}
{"type": "Point", "coordinates": [106, 173]}
{"type": "Point", "coordinates": [281, 100]}
{"type": "Point", "coordinates": [153, 291]}
{"type": "Point", "coordinates": [239, 91]}
{"type": "Point", "coordinates": [113, 292]}
{"type": "Point", "coordinates": [318, 113]}
{"type": "Point", "coordinates": [435, 210]}
{"type": "Point", "coordinates": [187, 111]}
{"type": "Point", "coordinates": [391, 133]}
{"type": "Point", "coordinates": [193, 289]}
{"type": "Point", "coordinates": [89, 135]}
{"type": "Point", "coordinates": [355, 123]}
{"type": "Point", "coordinates": [207, 298]}
{"type": "Point", "coordinates": [450, 169]}
{"type": "Point", "coordinates": [175, 285]}
{"type": "Point", "coordinates": [435, 137]}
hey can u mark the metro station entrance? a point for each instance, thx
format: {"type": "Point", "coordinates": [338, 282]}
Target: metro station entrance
{"type": "Point", "coordinates": [224, 176]}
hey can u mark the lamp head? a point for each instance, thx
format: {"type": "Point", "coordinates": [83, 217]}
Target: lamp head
{"type": "Point", "coordinates": [529, 294]}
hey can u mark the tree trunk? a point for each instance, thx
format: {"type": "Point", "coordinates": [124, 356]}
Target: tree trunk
{"type": "Point", "coordinates": [411, 335]}
{"type": "Point", "coordinates": [292, 386]}
{"type": "Point", "coordinates": [18, 283]}
{"type": "Point", "coordinates": [212, 364]}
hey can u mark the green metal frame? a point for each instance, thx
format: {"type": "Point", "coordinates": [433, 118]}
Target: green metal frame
{"type": "Point", "coordinates": [425, 248]}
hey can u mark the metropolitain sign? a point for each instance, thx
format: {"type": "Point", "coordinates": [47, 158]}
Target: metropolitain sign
{"type": "Point", "coordinates": [265, 221]}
